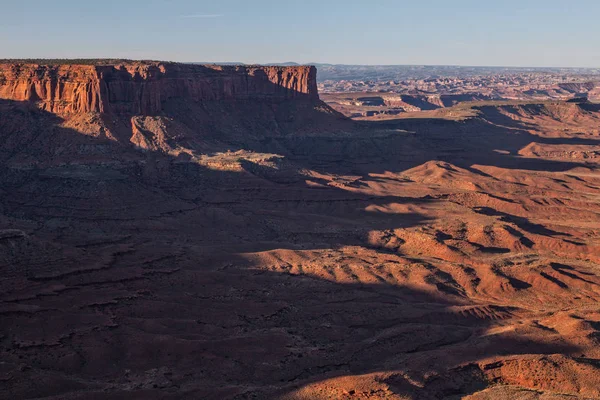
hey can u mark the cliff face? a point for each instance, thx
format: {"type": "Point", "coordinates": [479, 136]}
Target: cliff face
{"type": "Point", "coordinates": [142, 88]}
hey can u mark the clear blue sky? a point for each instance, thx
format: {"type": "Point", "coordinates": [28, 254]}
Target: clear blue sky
{"type": "Point", "coordinates": [459, 32]}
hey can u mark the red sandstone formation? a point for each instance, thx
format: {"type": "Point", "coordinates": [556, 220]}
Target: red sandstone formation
{"type": "Point", "coordinates": [266, 249]}
{"type": "Point", "coordinates": [142, 88]}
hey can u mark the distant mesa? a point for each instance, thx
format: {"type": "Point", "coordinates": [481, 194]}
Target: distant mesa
{"type": "Point", "coordinates": [141, 87]}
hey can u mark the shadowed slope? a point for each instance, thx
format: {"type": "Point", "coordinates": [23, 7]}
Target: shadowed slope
{"type": "Point", "coordinates": [406, 259]}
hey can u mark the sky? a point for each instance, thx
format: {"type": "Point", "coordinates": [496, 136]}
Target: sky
{"type": "Point", "coordinates": [547, 33]}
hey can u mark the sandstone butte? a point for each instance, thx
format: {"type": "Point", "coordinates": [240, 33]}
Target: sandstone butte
{"type": "Point", "coordinates": [142, 87]}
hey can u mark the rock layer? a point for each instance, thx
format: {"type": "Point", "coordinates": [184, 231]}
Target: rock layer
{"type": "Point", "coordinates": [142, 88]}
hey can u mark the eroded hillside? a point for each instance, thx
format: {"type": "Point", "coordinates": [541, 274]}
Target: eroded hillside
{"type": "Point", "coordinates": [267, 247]}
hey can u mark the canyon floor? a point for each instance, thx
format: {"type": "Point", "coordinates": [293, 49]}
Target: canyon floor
{"type": "Point", "coordinates": [434, 257]}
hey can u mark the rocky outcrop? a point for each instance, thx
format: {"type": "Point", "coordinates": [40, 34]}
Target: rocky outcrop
{"type": "Point", "coordinates": [144, 87]}
{"type": "Point", "coordinates": [577, 87]}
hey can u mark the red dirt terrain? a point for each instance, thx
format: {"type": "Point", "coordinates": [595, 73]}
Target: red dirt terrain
{"type": "Point", "coordinates": [187, 233]}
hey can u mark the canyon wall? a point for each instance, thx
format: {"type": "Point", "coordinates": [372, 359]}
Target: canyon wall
{"type": "Point", "coordinates": [143, 87]}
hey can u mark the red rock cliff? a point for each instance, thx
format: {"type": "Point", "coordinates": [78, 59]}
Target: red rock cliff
{"type": "Point", "coordinates": [142, 88]}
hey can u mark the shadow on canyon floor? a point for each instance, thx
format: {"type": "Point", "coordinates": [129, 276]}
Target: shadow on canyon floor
{"type": "Point", "coordinates": [208, 332]}
{"type": "Point", "coordinates": [166, 315]}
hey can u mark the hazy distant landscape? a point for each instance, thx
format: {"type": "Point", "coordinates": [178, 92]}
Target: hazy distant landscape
{"type": "Point", "coordinates": [402, 72]}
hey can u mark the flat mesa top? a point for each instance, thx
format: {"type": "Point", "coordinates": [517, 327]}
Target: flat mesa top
{"type": "Point", "coordinates": [75, 61]}
{"type": "Point", "coordinates": [123, 61]}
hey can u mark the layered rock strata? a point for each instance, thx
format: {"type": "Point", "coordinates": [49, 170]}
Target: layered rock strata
{"type": "Point", "coordinates": [143, 87]}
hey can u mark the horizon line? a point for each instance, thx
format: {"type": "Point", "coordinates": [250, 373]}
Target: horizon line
{"type": "Point", "coordinates": [12, 59]}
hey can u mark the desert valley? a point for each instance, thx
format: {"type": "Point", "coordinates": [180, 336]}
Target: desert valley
{"type": "Point", "coordinates": [176, 231]}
